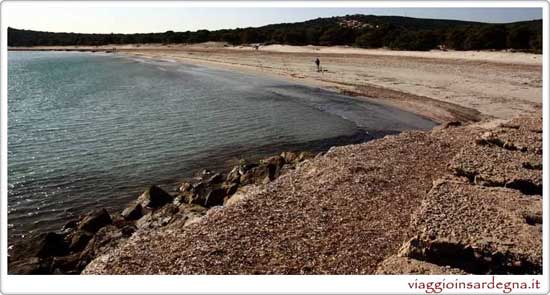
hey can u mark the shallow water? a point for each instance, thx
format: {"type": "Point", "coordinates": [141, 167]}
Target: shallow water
{"type": "Point", "coordinates": [93, 130]}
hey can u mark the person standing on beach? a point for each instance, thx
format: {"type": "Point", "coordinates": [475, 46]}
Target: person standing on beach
{"type": "Point", "coordinates": [318, 63]}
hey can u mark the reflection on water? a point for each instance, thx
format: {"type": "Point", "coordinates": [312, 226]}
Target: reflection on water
{"type": "Point", "coordinates": [89, 130]}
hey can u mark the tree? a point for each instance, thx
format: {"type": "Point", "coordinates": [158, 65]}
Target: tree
{"type": "Point", "coordinates": [455, 39]}
{"type": "Point", "coordinates": [519, 38]}
{"type": "Point", "coordinates": [493, 37]}
{"type": "Point", "coordinates": [199, 36]}
{"type": "Point", "coordinates": [361, 30]}
{"type": "Point", "coordinates": [337, 36]}
{"type": "Point", "coordinates": [248, 36]}
{"type": "Point", "coordinates": [373, 38]}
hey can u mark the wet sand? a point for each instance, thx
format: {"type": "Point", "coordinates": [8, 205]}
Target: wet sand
{"type": "Point", "coordinates": [443, 86]}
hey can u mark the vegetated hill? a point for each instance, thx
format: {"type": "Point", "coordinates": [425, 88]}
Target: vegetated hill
{"type": "Point", "coordinates": [367, 31]}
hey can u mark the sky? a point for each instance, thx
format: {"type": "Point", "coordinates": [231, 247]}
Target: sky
{"type": "Point", "coordinates": [160, 19]}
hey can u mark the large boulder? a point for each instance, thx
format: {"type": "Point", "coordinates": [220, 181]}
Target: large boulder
{"type": "Point", "coordinates": [273, 166]}
{"type": "Point", "coordinates": [230, 188]}
{"type": "Point", "coordinates": [154, 197]}
{"type": "Point", "coordinates": [214, 179]}
{"type": "Point", "coordinates": [161, 217]}
{"type": "Point", "coordinates": [208, 196]}
{"type": "Point", "coordinates": [30, 266]}
{"type": "Point", "coordinates": [79, 240]}
{"type": "Point", "coordinates": [158, 218]}
{"type": "Point", "coordinates": [199, 187]}
{"type": "Point", "coordinates": [256, 175]}
{"type": "Point", "coordinates": [214, 198]}
{"type": "Point", "coordinates": [69, 264]}
{"type": "Point", "coordinates": [245, 167]}
{"type": "Point", "coordinates": [191, 213]}
{"type": "Point", "coordinates": [43, 245]}
{"type": "Point", "coordinates": [34, 255]}
{"type": "Point", "coordinates": [233, 176]}
{"type": "Point", "coordinates": [133, 212]}
{"type": "Point", "coordinates": [241, 194]}
{"type": "Point", "coordinates": [208, 193]}
{"type": "Point", "coordinates": [105, 239]}
{"type": "Point", "coordinates": [95, 221]}
{"type": "Point", "coordinates": [289, 157]}
{"type": "Point", "coordinates": [70, 226]}
{"type": "Point", "coordinates": [184, 198]}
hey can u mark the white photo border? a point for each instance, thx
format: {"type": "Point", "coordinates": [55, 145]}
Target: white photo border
{"type": "Point", "coordinates": [241, 284]}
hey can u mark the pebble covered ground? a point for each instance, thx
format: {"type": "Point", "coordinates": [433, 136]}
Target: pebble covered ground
{"type": "Point", "coordinates": [355, 210]}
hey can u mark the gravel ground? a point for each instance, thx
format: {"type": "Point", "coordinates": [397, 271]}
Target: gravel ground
{"type": "Point", "coordinates": [343, 212]}
{"type": "Point", "coordinates": [395, 265]}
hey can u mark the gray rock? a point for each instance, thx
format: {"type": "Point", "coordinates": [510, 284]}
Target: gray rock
{"type": "Point", "coordinates": [289, 157]}
{"type": "Point", "coordinates": [106, 238]}
{"type": "Point", "coordinates": [30, 266]}
{"type": "Point", "coordinates": [214, 198]}
{"type": "Point", "coordinates": [95, 220]}
{"type": "Point", "coordinates": [69, 264]}
{"type": "Point", "coordinates": [230, 188]}
{"type": "Point", "coordinates": [132, 212]}
{"type": "Point", "coordinates": [43, 245]}
{"type": "Point", "coordinates": [233, 176]}
{"type": "Point", "coordinates": [79, 240]}
{"type": "Point", "coordinates": [255, 175]}
{"type": "Point", "coordinates": [214, 179]}
{"type": "Point", "coordinates": [154, 197]}
{"type": "Point", "coordinates": [184, 187]}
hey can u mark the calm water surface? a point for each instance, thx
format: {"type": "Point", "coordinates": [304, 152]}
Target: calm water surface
{"type": "Point", "coordinates": [92, 130]}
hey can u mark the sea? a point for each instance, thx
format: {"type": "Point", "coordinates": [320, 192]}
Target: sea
{"type": "Point", "coordinates": [91, 130]}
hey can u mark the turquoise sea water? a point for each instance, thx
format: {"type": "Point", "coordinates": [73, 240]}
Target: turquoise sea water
{"type": "Point", "coordinates": [93, 130]}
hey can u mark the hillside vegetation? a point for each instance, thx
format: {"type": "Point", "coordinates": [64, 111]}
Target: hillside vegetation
{"type": "Point", "coordinates": [366, 31]}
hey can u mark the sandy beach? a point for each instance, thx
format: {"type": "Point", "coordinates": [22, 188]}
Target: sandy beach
{"type": "Point", "coordinates": [443, 86]}
{"type": "Point", "coordinates": [440, 85]}
{"type": "Point", "coordinates": [355, 209]}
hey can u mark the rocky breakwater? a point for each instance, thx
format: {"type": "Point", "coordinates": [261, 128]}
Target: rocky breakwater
{"type": "Point", "coordinates": [79, 241]}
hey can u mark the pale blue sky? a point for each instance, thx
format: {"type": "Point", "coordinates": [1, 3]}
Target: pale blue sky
{"type": "Point", "coordinates": [160, 19]}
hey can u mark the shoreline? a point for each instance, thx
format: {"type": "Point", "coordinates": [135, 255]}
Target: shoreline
{"type": "Point", "coordinates": [67, 240]}
{"type": "Point", "coordinates": [418, 105]}
{"type": "Point", "coordinates": [494, 56]}
{"type": "Point", "coordinates": [407, 234]}
{"type": "Point", "coordinates": [101, 242]}
{"type": "Point", "coordinates": [437, 85]}
{"type": "Point", "coordinates": [72, 246]}
{"type": "Point", "coordinates": [252, 152]}
{"type": "Point", "coordinates": [107, 241]}
{"type": "Point", "coordinates": [223, 160]}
